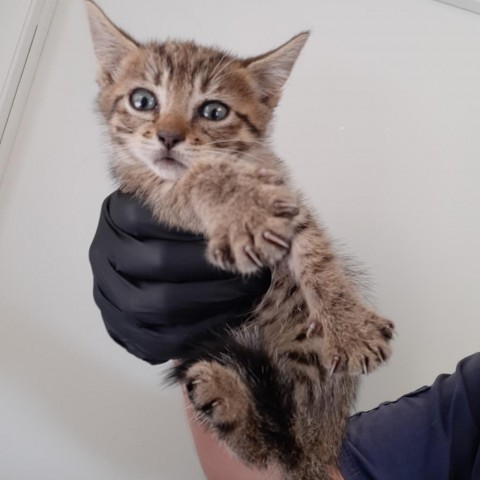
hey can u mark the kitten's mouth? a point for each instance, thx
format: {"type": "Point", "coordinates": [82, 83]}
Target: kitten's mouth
{"type": "Point", "coordinates": [169, 166]}
{"type": "Point", "coordinates": [166, 160]}
{"type": "Point", "coordinates": [169, 160]}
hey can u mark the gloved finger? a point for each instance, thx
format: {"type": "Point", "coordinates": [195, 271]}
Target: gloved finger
{"type": "Point", "coordinates": [168, 301]}
{"type": "Point", "coordinates": [155, 343]}
{"type": "Point", "coordinates": [151, 258]}
{"type": "Point", "coordinates": [130, 216]}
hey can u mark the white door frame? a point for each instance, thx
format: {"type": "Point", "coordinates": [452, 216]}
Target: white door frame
{"type": "Point", "coordinates": [472, 5]}
{"type": "Point", "coordinates": [19, 77]}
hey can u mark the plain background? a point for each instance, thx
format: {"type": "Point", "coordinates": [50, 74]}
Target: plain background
{"type": "Point", "coordinates": [380, 122]}
{"type": "Point", "coordinates": [13, 13]}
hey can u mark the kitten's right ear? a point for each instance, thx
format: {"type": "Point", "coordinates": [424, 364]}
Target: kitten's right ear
{"type": "Point", "coordinates": [111, 44]}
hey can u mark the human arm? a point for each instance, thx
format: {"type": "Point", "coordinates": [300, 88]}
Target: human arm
{"type": "Point", "coordinates": [431, 433]}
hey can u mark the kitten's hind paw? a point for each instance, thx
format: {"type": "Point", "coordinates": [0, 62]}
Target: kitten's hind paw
{"type": "Point", "coordinates": [217, 394]}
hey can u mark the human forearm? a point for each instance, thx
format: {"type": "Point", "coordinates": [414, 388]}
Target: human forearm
{"type": "Point", "coordinates": [217, 463]}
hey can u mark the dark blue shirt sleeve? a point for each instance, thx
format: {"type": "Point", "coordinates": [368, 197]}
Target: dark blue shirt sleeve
{"type": "Point", "coordinates": [430, 434]}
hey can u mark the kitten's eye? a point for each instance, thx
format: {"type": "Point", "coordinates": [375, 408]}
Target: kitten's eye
{"type": "Point", "coordinates": [214, 110]}
{"type": "Point", "coordinates": [143, 100]}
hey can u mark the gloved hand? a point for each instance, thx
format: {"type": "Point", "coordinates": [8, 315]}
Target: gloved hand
{"type": "Point", "coordinates": [154, 287]}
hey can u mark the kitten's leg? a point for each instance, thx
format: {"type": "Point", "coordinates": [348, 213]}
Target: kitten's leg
{"type": "Point", "coordinates": [355, 339]}
{"type": "Point", "coordinates": [240, 392]}
{"type": "Point", "coordinates": [223, 403]}
{"type": "Point", "coordinates": [247, 212]}
{"type": "Point", "coordinates": [267, 422]}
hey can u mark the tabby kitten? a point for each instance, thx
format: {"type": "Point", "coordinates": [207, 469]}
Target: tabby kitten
{"type": "Point", "coordinates": [188, 128]}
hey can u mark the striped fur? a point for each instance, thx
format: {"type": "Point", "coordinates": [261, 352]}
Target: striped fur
{"type": "Point", "coordinates": [280, 388]}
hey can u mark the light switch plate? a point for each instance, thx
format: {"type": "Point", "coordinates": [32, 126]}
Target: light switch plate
{"type": "Point", "coordinates": [472, 5]}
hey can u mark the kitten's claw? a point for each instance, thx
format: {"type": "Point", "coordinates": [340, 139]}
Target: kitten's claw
{"type": "Point", "coordinates": [381, 355]}
{"type": "Point", "coordinates": [276, 239]}
{"type": "Point", "coordinates": [250, 252]}
{"type": "Point", "coordinates": [311, 329]}
{"type": "Point", "coordinates": [364, 366]}
{"type": "Point", "coordinates": [208, 407]}
{"type": "Point", "coordinates": [334, 365]}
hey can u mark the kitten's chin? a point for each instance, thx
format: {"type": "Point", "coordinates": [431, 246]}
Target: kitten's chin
{"type": "Point", "coordinates": [168, 169]}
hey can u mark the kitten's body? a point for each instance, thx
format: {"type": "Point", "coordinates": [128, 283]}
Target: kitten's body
{"type": "Point", "coordinates": [280, 388]}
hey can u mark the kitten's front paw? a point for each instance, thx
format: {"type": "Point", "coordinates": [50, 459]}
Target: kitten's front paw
{"type": "Point", "coordinates": [257, 233]}
{"type": "Point", "coordinates": [216, 393]}
{"type": "Point", "coordinates": [358, 348]}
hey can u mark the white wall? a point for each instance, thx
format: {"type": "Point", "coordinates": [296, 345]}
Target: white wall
{"type": "Point", "coordinates": [381, 123]}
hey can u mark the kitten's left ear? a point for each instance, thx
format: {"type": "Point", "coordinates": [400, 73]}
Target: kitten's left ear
{"type": "Point", "coordinates": [111, 44]}
{"type": "Point", "coordinates": [271, 70]}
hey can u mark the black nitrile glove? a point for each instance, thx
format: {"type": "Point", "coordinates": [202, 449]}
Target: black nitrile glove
{"type": "Point", "coordinates": [154, 287]}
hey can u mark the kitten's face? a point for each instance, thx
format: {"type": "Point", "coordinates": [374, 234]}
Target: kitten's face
{"type": "Point", "coordinates": [168, 105]}
{"type": "Point", "coordinates": [172, 103]}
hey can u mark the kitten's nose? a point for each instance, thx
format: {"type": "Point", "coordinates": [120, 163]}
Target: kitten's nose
{"type": "Point", "coordinates": [170, 137]}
